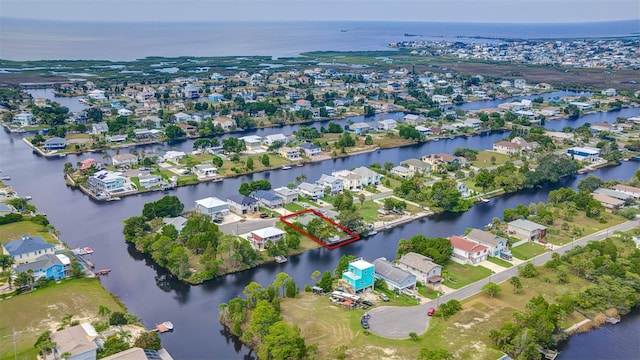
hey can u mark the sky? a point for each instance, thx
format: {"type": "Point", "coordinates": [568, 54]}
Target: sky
{"type": "Point", "coordinates": [483, 11]}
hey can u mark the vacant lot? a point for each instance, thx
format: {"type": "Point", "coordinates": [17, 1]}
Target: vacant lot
{"type": "Point", "coordinates": [483, 160]}
{"type": "Point", "coordinates": [556, 235]}
{"type": "Point", "coordinates": [33, 313]}
{"type": "Point", "coordinates": [463, 275]}
{"type": "Point", "coordinates": [527, 251]}
{"type": "Point", "coordinates": [14, 231]}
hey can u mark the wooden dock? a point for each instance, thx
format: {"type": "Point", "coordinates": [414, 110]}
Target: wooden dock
{"type": "Point", "coordinates": [166, 326]}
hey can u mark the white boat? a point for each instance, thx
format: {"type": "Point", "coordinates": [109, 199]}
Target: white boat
{"type": "Point", "coordinates": [436, 139]}
{"type": "Point", "coordinates": [484, 200]}
{"type": "Point", "coordinates": [285, 167]}
{"type": "Point", "coordinates": [28, 197]}
{"type": "Point", "coordinates": [5, 178]}
{"type": "Point", "coordinates": [280, 259]}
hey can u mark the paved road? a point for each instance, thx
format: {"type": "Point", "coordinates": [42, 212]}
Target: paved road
{"type": "Point", "coordinates": [397, 322]}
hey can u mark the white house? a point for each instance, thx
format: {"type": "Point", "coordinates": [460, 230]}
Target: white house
{"type": "Point", "coordinates": [584, 154]}
{"type": "Point", "coordinates": [212, 206]}
{"type": "Point", "coordinates": [174, 156]}
{"type": "Point", "coordinates": [181, 118]}
{"type": "Point", "coordinates": [388, 124]}
{"type": "Point", "coordinates": [287, 195]}
{"type": "Point", "coordinates": [369, 177]}
{"type": "Point", "coordinates": [526, 230]}
{"type": "Point", "coordinates": [259, 238]}
{"type": "Point", "coordinates": [24, 118]}
{"type": "Point", "coordinates": [311, 191]}
{"type": "Point", "coordinates": [403, 172]}
{"type": "Point", "coordinates": [205, 170]}
{"type": "Point", "coordinates": [79, 342]}
{"type": "Point", "coordinates": [289, 153]}
{"type": "Point", "coordinates": [242, 204]}
{"type": "Point", "coordinates": [467, 252]}
{"type": "Point", "coordinates": [27, 249]}
{"type": "Point", "coordinates": [99, 128]}
{"type": "Point", "coordinates": [225, 123]}
{"type": "Point", "coordinates": [412, 119]}
{"type": "Point", "coordinates": [124, 159]}
{"type": "Point", "coordinates": [105, 181]}
{"type": "Point", "coordinates": [310, 149]}
{"type": "Point", "coordinates": [253, 142]}
{"type": "Point", "coordinates": [125, 112]}
{"type": "Point", "coordinates": [629, 190]}
{"type": "Point", "coordinates": [350, 180]}
{"type": "Point", "coordinates": [336, 185]}
{"type": "Point", "coordinates": [270, 139]}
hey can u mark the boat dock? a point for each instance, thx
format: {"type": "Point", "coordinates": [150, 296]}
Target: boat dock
{"type": "Point", "coordinates": [166, 326]}
{"type": "Point", "coordinates": [281, 259]}
{"type": "Point", "coordinates": [613, 319]}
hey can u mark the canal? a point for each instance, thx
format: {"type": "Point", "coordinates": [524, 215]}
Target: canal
{"type": "Point", "coordinates": [155, 295]}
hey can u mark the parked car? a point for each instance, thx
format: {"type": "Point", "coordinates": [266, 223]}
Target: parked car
{"type": "Point", "coordinates": [264, 215]}
{"type": "Point", "coordinates": [365, 323]}
{"type": "Point", "coordinates": [367, 302]}
{"type": "Point", "coordinates": [431, 311]}
{"type": "Point", "coordinates": [384, 297]}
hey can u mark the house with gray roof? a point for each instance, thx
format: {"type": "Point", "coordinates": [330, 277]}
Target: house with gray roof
{"type": "Point", "coordinates": [212, 206]}
{"type": "Point", "coordinates": [78, 341]}
{"type": "Point", "coordinates": [336, 185]}
{"type": "Point", "coordinates": [5, 209]}
{"type": "Point", "coordinates": [369, 177]}
{"type": "Point", "coordinates": [48, 266]}
{"type": "Point", "coordinates": [416, 165]}
{"type": "Point", "coordinates": [99, 128]}
{"type": "Point", "coordinates": [178, 222]}
{"type": "Point", "coordinates": [425, 270]}
{"type": "Point", "coordinates": [267, 198]}
{"type": "Point", "coordinates": [403, 172]}
{"type": "Point", "coordinates": [495, 243]}
{"type": "Point", "coordinates": [360, 128]}
{"type": "Point", "coordinates": [396, 278]}
{"type": "Point", "coordinates": [527, 230]}
{"type": "Point", "coordinates": [287, 195]}
{"type": "Point", "coordinates": [27, 249]}
{"type": "Point", "coordinates": [311, 191]}
{"type": "Point", "coordinates": [55, 143]}
{"type": "Point", "coordinates": [242, 204]}
{"type": "Point", "coordinates": [613, 193]}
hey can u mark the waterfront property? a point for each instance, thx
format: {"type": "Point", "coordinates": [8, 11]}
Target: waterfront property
{"type": "Point", "coordinates": [48, 266]}
{"type": "Point", "coordinates": [259, 238]}
{"type": "Point", "coordinates": [267, 198]}
{"type": "Point", "coordinates": [124, 160]}
{"type": "Point", "coordinates": [242, 204]}
{"type": "Point", "coordinates": [403, 172]}
{"type": "Point", "coordinates": [425, 270]}
{"type": "Point", "coordinates": [336, 185]}
{"type": "Point", "coordinates": [310, 149]}
{"type": "Point", "coordinates": [629, 190]}
{"type": "Point", "coordinates": [54, 143]}
{"type": "Point", "coordinates": [608, 202]}
{"type": "Point", "coordinates": [178, 222]}
{"type": "Point", "coordinates": [24, 119]}
{"type": "Point", "coordinates": [287, 195]}
{"type": "Point", "coordinates": [360, 275]}
{"type": "Point", "coordinates": [396, 278]}
{"type": "Point", "coordinates": [526, 230]}
{"type": "Point", "coordinates": [212, 206]}
{"type": "Point", "coordinates": [311, 191]}
{"type": "Point", "coordinates": [584, 154]}
{"type": "Point", "coordinates": [613, 193]}
{"type": "Point", "coordinates": [350, 180]}
{"type": "Point", "coordinates": [27, 249]}
{"type": "Point", "coordinates": [495, 243]}
{"type": "Point", "coordinates": [205, 170]}
{"type": "Point", "coordinates": [289, 153]}
{"type": "Point", "coordinates": [106, 181]}
{"type": "Point", "coordinates": [467, 251]}
{"type": "Point", "coordinates": [79, 341]}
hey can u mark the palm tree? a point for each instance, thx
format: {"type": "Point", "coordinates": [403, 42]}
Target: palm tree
{"type": "Point", "coordinates": [7, 275]}
{"type": "Point", "coordinates": [515, 282]}
{"type": "Point", "coordinates": [124, 335]}
{"type": "Point", "coordinates": [103, 312]}
{"type": "Point", "coordinates": [31, 279]}
{"type": "Point", "coordinates": [6, 261]}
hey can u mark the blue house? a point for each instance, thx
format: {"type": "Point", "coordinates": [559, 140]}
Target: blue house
{"type": "Point", "coordinates": [215, 97]}
{"type": "Point", "coordinates": [52, 267]}
{"type": "Point", "coordinates": [27, 249]}
{"type": "Point", "coordinates": [55, 143]}
{"type": "Point", "coordinates": [360, 275]}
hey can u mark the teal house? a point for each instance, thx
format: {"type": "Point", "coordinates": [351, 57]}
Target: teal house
{"type": "Point", "coordinates": [360, 275]}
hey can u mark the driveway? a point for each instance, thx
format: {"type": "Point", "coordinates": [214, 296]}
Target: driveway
{"type": "Point", "coordinates": [397, 322]}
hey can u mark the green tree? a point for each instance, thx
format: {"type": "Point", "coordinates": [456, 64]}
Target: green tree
{"type": "Point", "coordinates": [174, 132]}
{"type": "Point", "coordinates": [6, 261]}
{"type": "Point", "coordinates": [118, 318]}
{"type": "Point", "coordinates": [265, 160]}
{"type": "Point", "coordinates": [282, 343]}
{"type": "Point", "coordinates": [326, 281]}
{"type": "Point", "coordinates": [590, 183]}
{"type": "Point", "coordinates": [368, 140]}
{"type": "Point", "coordinates": [528, 270]}
{"type": "Point", "coordinates": [148, 340]}
{"type": "Point", "coordinates": [491, 289]}
{"type": "Point", "coordinates": [343, 265]}
{"type": "Point", "coordinates": [515, 282]}
{"type": "Point", "coordinates": [263, 317]}
{"type": "Point", "coordinates": [249, 163]}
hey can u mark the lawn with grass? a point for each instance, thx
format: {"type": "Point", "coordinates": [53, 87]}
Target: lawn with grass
{"type": "Point", "coordinates": [527, 251]}
{"type": "Point", "coordinates": [428, 292]}
{"type": "Point", "coordinates": [557, 236]}
{"type": "Point", "coordinates": [499, 262]}
{"type": "Point", "coordinates": [303, 199]}
{"type": "Point", "coordinates": [293, 207]}
{"type": "Point", "coordinates": [47, 306]}
{"type": "Point", "coordinates": [135, 181]}
{"type": "Point", "coordinates": [14, 231]}
{"type": "Point", "coordinates": [271, 213]}
{"type": "Point", "coordinates": [483, 159]}
{"type": "Point", "coordinates": [369, 211]}
{"type": "Point", "coordinates": [459, 275]}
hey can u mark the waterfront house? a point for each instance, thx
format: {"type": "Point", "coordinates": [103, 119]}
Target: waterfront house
{"type": "Point", "coordinates": [462, 188]}
{"type": "Point", "coordinates": [440, 161]}
{"type": "Point", "coordinates": [369, 177]}
{"type": "Point", "coordinates": [360, 128]}
{"type": "Point", "coordinates": [310, 149]}
{"type": "Point", "coordinates": [252, 142]}
{"type": "Point", "coordinates": [178, 222]}
{"type": "Point", "coordinates": [212, 206]}
{"type": "Point", "coordinates": [99, 128]}
{"type": "Point", "coordinates": [613, 193]}
{"type": "Point", "coordinates": [225, 123]}
{"type": "Point", "coordinates": [608, 202]}
{"type": "Point", "coordinates": [423, 130]}
{"type": "Point", "coordinates": [629, 190]}
{"type": "Point", "coordinates": [24, 119]}
{"type": "Point", "coordinates": [5, 209]}
{"type": "Point", "coordinates": [467, 252]}
{"type": "Point", "coordinates": [289, 153]}
{"type": "Point", "coordinates": [48, 266]}
{"type": "Point", "coordinates": [273, 138]}
{"type": "Point", "coordinates": [181, 118]}
{"type": "Point", "coordinates": [396, 278]}
{"type": "Point", "coordinates": [287, 195]}
{"type": "Point", "coordinates": [360, 275]}
{"type": "Point", "coordinates": [350, 180]}
{"type": "Point", "coordinates": [495, 243]}
{"type": "Point", "coordinates": [412, 119]}
{"type": "Point", "coordinates": [149, 180]}
{"type": "Point", "coordinates": [425, 270]}
{"type": "Point", "coordinates": [336, 185]}
{"type": "Point", "coordinates": [584, 154]}
{"type": "Point", "coordinates": [417, 166]}
{"type": "Point", "coordinates": [311, 191]}
{"type": "Point", "coordinates": [105, 181]}
{"type": "Point", "coordinates": [242, 204]}
{"type": "Point", "coordinates": [116, 138]}
{"type": "Point", "coordinates": [526, 230]}
{"type": "Point", "coordinates": [87, 163]}
{"type": "Point", "coordinates": [174, 156]}
{"type": "Point", "coordinates": [79, 342]}
{"type": "Point", "coordinates": [55, 143]}
{"type": "Point", "coordinates": [506, 147]}
{"type": "Point", "coordinates": [267, 198]}
{"type": "Point", "coordinates": [27, 249]}
{"type": "Point", "coordinates": [260, 237]}
{"type": "Point", "coordinates": [386, 125]}
{"type": "Point", "coordinates": [205, 170]}
{"type": "Point", "coordinates": [403, 172]}
{"type": "Point", "coordinates": [124, 160]}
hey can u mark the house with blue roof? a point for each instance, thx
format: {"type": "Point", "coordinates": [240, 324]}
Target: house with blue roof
{"type": "Point", "coordinates": [310, 149]}
{"type": "Point", "coordinates": [48, 266]}
{"type": "Point", "coordinates": [267, 198]}
{"type": "Point", "coordinates": [55, 143]}
{"type": "Point", "coordinates": [241, 204]}
{"type": "Point", "coordinates": [27, 249]}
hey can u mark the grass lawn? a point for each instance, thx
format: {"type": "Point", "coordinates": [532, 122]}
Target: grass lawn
{"type": "Point", "coordinates": [269, 211]}
{"type": "Point", "coordinates": [499, 262]}
{"type": "Point", "coordinates": [463, 275]}
{"type": "Point", "coordinates": [136, 181]}
{"type": "Point", "coordinates": [527, 251]}
{"type": "Point", "coordinates": [428, 292]}
{"type": "Point", "coordinates": [483, 160]}
{"type": "Point", "coordinates": [46, 308]}
{"type": "Point", "coordinates": [14, 231]}
{"type": "Point", "coordinates": [303, 199]}
{"type": "Point", "coordinates": [369, 211]}
{"type": "Point", "coordinates": [329, 199]}
{"type": "Point", "coordinates": [293, 207]}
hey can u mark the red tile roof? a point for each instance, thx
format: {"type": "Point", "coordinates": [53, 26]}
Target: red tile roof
{"type": "Point", "coordinates": [466, 245]}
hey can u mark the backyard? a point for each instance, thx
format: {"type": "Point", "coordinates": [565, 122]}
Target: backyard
{"type": "Point", "coordinates": [14, 231]}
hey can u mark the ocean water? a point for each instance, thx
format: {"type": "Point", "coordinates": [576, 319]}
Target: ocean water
{"type": "Point", "coordinates": [49, 40]}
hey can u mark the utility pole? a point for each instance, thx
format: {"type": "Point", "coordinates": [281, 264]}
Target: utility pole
{"type": "Point", "coordinates": [15, 350]}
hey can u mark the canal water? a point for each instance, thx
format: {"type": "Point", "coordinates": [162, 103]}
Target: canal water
{"type": "Point", "coordinates": [155, 295]}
